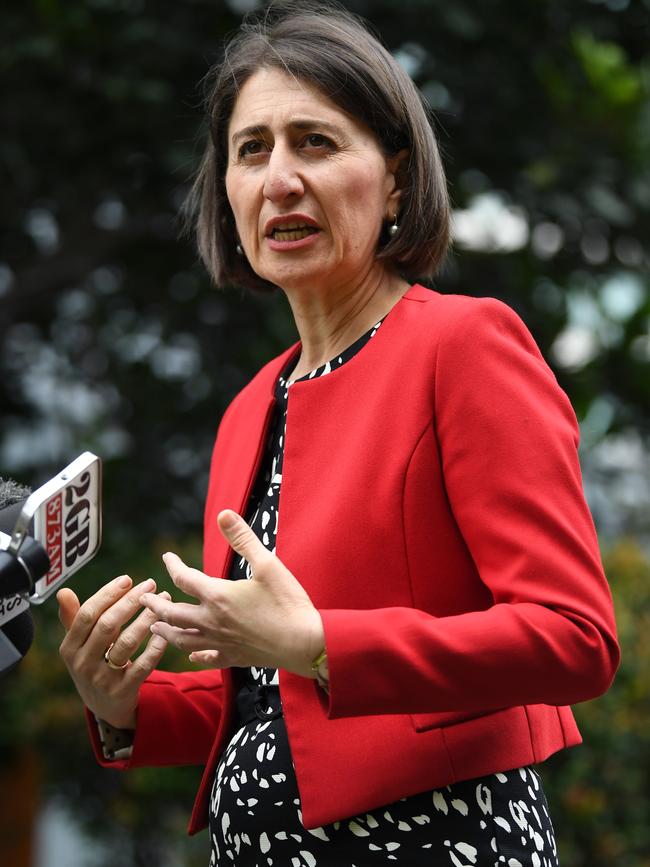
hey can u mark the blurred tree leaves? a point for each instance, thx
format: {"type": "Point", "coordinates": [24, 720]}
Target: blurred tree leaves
{"type": "Point", "coordinates": [608, 70]}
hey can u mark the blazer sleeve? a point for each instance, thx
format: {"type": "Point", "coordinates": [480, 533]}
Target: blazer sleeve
{"type": "Point", "coordinates": [508, 440]}
{"type": "Point", "coordinates": [176, 720]}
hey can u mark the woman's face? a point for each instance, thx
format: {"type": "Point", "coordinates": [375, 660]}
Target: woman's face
{"type": "Point", "coordinates": [307, 183]}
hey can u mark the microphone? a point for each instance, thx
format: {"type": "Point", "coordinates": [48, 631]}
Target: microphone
{"type": "Point", "coordinates": [45, 537]}
{"type": "Point", "coordinates": [25, 561]}
{"type": "Point", "coordinates": [17, 632]}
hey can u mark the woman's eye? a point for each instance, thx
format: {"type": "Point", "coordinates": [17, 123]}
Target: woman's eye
{"type": "Point", "coordinates": [250, 148]}
{"type": "Point", "coordinates": [316, 140]}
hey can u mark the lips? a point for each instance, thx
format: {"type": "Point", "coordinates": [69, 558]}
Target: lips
{"type": "Point", "coordinates": [290, 227]}
{"type": "Point", "coordinates": [294, 232]}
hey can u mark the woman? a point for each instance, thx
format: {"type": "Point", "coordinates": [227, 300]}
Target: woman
{"type": "Point", "coordinates": [417, 615]}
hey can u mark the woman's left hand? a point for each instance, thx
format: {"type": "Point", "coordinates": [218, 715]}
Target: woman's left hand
{"type": "Point", "coordinates": [268, 621]}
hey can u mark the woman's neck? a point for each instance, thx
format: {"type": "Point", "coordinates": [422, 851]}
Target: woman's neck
{"type": "Point", "coordinates": [330, 322]}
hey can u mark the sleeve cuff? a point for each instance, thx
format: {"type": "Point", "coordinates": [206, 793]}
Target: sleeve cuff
{"type": "Point", "coordinates": [117, 744]}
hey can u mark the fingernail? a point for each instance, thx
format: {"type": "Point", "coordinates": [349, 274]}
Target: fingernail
{"type": "Point", "coordinates": [147, 585]}
{"type": "Point", "coordinates": [229, 520]}
{"type": "Point", "coordinates": [124, 581]}
{"type": "Point", "coordinates": [165, 594]}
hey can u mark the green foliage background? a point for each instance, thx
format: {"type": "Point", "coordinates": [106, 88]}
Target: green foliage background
{"type": "Point", "coordinates": [112, 338]}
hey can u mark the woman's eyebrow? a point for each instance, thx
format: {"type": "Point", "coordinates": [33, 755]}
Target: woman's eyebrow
{"type": "Point", "coordinates": [297, 123]}
{"type": "Point", "coordinates": [256, 129]}
{"type": "Point", "coordinates": [310, 123]}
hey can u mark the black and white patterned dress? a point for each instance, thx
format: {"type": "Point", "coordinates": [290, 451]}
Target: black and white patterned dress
{"type": "Point", "coordinates": [500, 820]}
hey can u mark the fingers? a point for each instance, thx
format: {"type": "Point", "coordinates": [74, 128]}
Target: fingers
{"type": "Point", "coordinates": [190, 581]}
{"type": "Point", "coordinates": [68, 606]}
{"type": "Point", "coordinates": [184, 639]}
{"type": "Point", "coordinates": [132, 636]}
{"type": "Point", "coordinates": [179, 614]}
{"type": "Point", "coordinates": [88, 614]}
{"type": "Point", "coordinates": [144, 664]}
{"type": "Point", "coordinates": [210, 658]}
{"type": "Point", "coordinates": [242, 538]}
{"type": "Point", "coordinates": [98, 620]}
{"type": "Point", "coordinates": [110, 621]}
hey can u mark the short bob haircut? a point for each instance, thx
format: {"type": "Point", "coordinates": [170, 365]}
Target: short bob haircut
{"type": "Point", "coordinates": [328, 47]}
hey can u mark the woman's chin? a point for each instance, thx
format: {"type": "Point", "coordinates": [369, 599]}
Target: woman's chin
{"type": "Point", "coordinates": [296, 276]}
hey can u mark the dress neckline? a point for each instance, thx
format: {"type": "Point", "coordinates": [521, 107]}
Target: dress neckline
{"type": "Point", "coordinates": [339, 359]}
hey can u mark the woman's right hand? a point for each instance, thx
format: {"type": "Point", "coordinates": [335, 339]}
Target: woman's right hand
{"type": "Point", "coordinates": [91, 628]}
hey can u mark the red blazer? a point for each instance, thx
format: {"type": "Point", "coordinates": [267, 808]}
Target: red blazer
{"type": "Point", "coordinates": [432, 507]}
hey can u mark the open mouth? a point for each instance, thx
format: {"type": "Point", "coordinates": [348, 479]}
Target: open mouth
{"type": "Point", "coordinates": [292, 232]}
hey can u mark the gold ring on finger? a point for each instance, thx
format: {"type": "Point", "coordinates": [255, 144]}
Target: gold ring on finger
{"type": "Point", "coordinates": [109, 662]}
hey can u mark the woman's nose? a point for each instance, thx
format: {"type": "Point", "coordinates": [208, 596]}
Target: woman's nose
{"type": "Point", "coordinates": [282, 177]}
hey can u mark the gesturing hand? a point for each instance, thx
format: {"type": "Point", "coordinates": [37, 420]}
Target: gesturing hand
{"type": "Point", "coordinates": [267, 621]}
{"type": "Point", "coordinates": [91, 628]}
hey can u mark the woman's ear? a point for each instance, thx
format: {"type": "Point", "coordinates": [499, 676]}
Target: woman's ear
{"type": "Point", "coordinates": [397, 168]}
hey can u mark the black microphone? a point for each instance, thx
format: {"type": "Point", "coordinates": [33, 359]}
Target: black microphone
{"type": "Point", "coordinates": [17, 634]}
{"type": "Point", "coordinates": [21, 568]}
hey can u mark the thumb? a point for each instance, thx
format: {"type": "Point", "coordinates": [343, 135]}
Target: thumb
{"type": "Point", "coordinates": [68, 606]}
{"type": "Point", "coordinates": [241, 537]}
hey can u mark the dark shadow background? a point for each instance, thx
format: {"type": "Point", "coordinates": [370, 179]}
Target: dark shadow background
{"type": "Point", "coordinates": [113, 340]}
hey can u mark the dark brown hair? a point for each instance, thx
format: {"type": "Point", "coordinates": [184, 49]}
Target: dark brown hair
{"type": "Point", "coordinates": [329, 47]}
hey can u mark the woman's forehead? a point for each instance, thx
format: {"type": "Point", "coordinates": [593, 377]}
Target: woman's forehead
{"type": "Point", "coordinates": [273, 95]}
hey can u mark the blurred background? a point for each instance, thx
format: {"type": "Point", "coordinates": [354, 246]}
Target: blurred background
{"type": "Point", "coordinates": [113, 340]}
